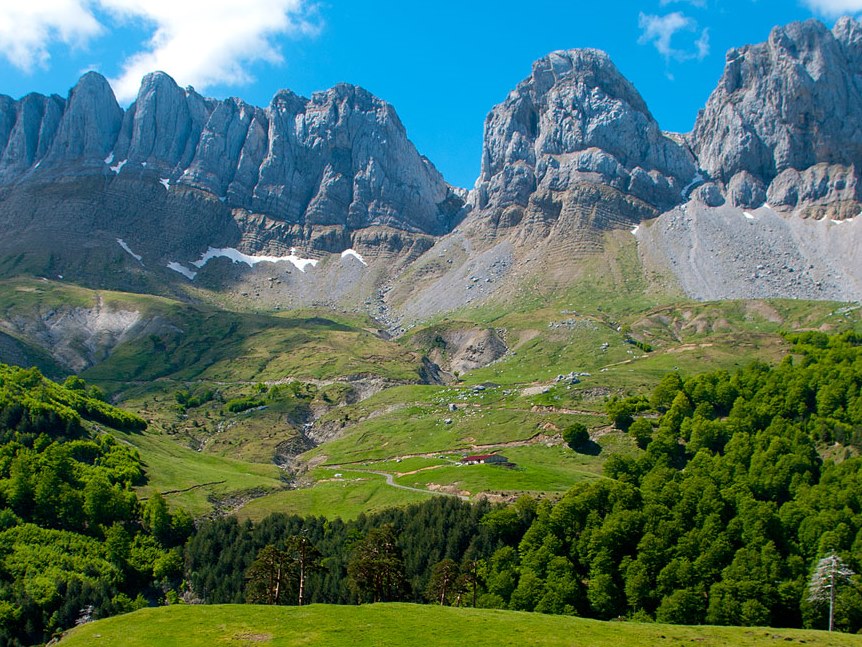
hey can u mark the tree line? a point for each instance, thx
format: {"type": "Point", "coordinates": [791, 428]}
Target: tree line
{"type": "Point", "coordinates": [75, 541]}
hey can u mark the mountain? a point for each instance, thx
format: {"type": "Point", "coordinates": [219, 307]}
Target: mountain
{"type": "Point", "coordinates": [758, 201]}
{"type": "Point", "coordinates": [576, 132]}
{"type": "Point", "coordinates": [784, 124]}
{"type": "Point", "coordinates": [85, 184]}
{"type": "Point", "coordinates": [779, 145]}
{"type": "Point", "coordinates": [325, 201]}
{"type": "Point", "coordinates": [571, 154]}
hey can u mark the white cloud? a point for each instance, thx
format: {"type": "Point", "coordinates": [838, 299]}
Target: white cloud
{"type": "Point", "coordinates": [834, 8]}
{"type": "Point", "coordinates": [695, 3]}
{"type": "Point", "coordinates": [702, 45]}
{"type": "Point", "coordinates": [27, 27]}
{"type": "Point", "coordinates": [204, 42]}
{"type": "Point", "coordinates": [198, 42]}
{"type": "Point", "coordinates": [660, 30]}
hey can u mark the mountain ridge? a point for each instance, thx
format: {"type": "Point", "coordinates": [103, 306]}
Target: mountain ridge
{"type": "Point", "coordinates": [571, 154]}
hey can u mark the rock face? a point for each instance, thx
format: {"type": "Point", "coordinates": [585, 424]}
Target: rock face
{"type": "Point", "coordinates": [577, 121]}
{"type": "Point", "coordinates": [785, 122]}
{"type": "Point", "coordinates": [780, 138]}
{"type": "Point", "coordinates": [162, 128]}
{"type": "Point", "coordinates": [89, 126]}
{"type": "Point", "coordinates": [349, 163]}
{"type": "Point", "coordinates": [340, 159]}
{"type": "Point", "coordinates": [27, 128]}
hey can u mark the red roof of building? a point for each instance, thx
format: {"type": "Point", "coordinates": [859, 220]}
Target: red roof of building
{"type": "Point", "coordinates": [477, 457]}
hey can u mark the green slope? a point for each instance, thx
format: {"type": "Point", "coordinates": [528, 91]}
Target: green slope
{"type": "Point", "coordinates": [590, 321]}
{"type": "Point", "coordinates": [145, 349]}
{"type": "Point", "coordinates": [393, 625]}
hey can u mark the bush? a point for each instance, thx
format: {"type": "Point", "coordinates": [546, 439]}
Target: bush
{"type": "Point", "coordinates": [641, 431]}
{"type": "Point", "coordinates": [239, 405]}
{"type": "Point", "coordinates": [576, 435]}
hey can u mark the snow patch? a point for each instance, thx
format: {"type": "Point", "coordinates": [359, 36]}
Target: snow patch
{"type": "Point", "coordinates": [837, 222]}
{"type": "Point", "coordinates": [182, 269]}
{"type": "Point", "coordinates": [748, 215]}
{"type": "Point", "coordinates": [165, 182]}
{"type": "Point", "coordinates": [109, 158]}
{"type": "Point", "coordinates": [238, 257]}
{"type": "Point", "coordinates": [698, 178]}
{"type": "Point", "coordinates": [635, 230]}
{"type": "Point", "coordinates": [123, 244]}
{"type": "Point", "coordinates": [354, 254]}
{"type": "Point", "coordinates": [116, 168]}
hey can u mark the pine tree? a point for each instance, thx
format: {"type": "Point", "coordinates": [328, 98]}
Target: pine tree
{"type": "Point", "coordinates": [443, 582]}
{"type": "Point", "coordinates": [306, 559]}
{"type": "Point", "coordinates": [268, 576]}
{"type": "Point", "coordinates": [376, 570]}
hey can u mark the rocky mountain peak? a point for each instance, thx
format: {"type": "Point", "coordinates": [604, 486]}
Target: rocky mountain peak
{"type": "Point", "coordinates": [590, 68]}
{"type": "Point", "coordinates": [90, 123]}
{"type": "Point", "coordinates": [783, 107]}
{"type": "Point", "coordinates": [848, 32]}
{"type": "Point", "coordinates": [162, 127]}
{"type": "Point", "coordinates": [287, 101]}
{"type": "Point", "coordinates": [31, 123]}
{"type": "Point", "coordinates": [576, 120]}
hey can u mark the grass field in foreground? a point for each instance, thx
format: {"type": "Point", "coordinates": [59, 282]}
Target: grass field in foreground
{"type": "Point", "coordinates": [381, 625]}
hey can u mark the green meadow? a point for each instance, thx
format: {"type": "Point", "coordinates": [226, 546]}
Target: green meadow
{"type": "Point", "coordinates": [396, 625]}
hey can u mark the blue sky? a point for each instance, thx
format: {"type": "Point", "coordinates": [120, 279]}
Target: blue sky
{"type": "Point", "coordinates": [443, 64]}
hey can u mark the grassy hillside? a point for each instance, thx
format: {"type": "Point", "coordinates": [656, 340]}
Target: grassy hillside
{"type": "Point", "coordinates": [180, 365]}
{"type": "Point", "coordinates": [123, 339]}
{"type": "Point", "coordinates": [224, 392]}
{"type": "Point", "coordinates": [197, 481]}
{"type": "Point", "coordinates": [404, 624]}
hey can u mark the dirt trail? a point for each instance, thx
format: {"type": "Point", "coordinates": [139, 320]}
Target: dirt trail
{"type": "Point", "coordinates": [390, 480]}
{"type": "Point", "coordinates": [533, 440]}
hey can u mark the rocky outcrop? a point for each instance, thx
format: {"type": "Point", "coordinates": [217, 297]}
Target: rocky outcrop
{"type": "Point", "coordinates": [576, 120]}
{"type": "Point", "coordinates": [162, 128]}
{"type": "Point", "coordinates": [820, 190]}
{"type": "Point", "coordinates": [459, 350]}
{"type": "Point", "coordinates": [340, 159]}
{"type": "Point", "coordinates": [347, 162]}
{"type": "Point", "coordinates": [785, 122]}
{"type": "Point", "coordinates": [89, 126]}
{"type": "Point", "coordinates": [780, 138]}
{"type": "Point", "coordinates": [31, 124]}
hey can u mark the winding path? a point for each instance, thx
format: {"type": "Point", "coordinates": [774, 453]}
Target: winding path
{"type": "Point", "coordinates": [390, 480]}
